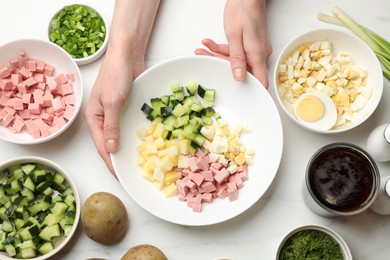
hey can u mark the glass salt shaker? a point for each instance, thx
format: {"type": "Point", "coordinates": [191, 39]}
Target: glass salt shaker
{"type": "Point", "coordinates": [382, 202]}
{"type": "Point", "coordinates": [378, 146]}
{"type": "Point", "coordinates": [378, 143]}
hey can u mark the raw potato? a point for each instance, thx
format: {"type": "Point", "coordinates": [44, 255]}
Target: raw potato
{"type": "Point", "coordinates": [144, 252]}
{"type": "Point", "coordinates": [104, 218]}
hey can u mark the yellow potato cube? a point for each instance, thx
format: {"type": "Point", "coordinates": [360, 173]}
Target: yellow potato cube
{"type": "Point", "coordinates": [170, 190]}
{"type": "Point", "coordinates": [168, 162]}
{"type": "Point", "coordinates": [182, 161]}
{"type": "Point", "coordinates": [171, 177]}
{"type": "Point", "coordinates": [184, 146]}
{"type": "Point", "coordinates": [159, 130]}
{"type": "Point", "coordinates": [240, 159]}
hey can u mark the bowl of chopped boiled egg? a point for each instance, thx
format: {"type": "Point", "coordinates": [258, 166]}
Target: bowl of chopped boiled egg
{"type": "Point", "coordinates": [328, 80]}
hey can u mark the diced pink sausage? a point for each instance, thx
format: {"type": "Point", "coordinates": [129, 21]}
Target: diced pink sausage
{"type": "Point", "coordinates": [6, 84]}
{"type": "Point", "coordinates": [16, 79]}
{"type": "Point", "coordinates": [4, 71]}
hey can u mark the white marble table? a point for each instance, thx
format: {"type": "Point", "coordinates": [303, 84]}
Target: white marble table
{"type": "Point", "coordinates": [255, 234]}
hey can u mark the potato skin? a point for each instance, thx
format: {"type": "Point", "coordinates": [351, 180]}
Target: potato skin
{"type": "Point", "coordinates": [104, 218]}
{"type": "Point", "coordinates": [144, 252]}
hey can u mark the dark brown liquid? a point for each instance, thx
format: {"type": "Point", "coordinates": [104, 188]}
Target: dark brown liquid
{"type": "Point", "coordinates": [341, 178]}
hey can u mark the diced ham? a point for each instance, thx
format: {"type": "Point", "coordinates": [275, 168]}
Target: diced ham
{"type": "Point", "coordinates": [33, 98]}
{"type": "Point", "coordinates": [4, 72]}
{"type": "Point", "coordinates": [22, 59]}
{"type": "Point", "coordinates": [16, 79]}
{"type": "Point", "coordinates": [208, 180]}
{"type": "Point", "coordinates": [6, 84]}
{"type": "Point", "coordinates": [25, 73]}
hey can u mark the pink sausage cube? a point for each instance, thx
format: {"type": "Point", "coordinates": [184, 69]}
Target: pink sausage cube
{"type": "Point", "coordinates": [40, 66]}
{"type": "Point", "coordinates": [207, 197]}
{"type": "Point", "coordinates": [48, 70]}
{"type": "Point", "coordinates": [25, 73]}
{"type": "Point", "coordinates": [22, 87]}
{"type": "Point", "coordinates": [66, 89]}
{"type": "Point", "coordinates": [197, 178]}
{"type": "Point", "coordinates": [16, 79]}
{"type": "Point", "coordinates": [31, 65]}
{"type": "Point", "coordinates": [208, 186]}
{"type": "Point", "coordinates": [34, 108]}
{"type": "Point", "coordinates": [57, 104]}
{"type": "Point", "coordinates": [18, 104]}
{"type": "Point", "coordinates": [22, 59]}
{"type": "Point", "coordinates": [61, 79]}
{"type": "Point", "coordinates": [232, 194]}
{"type": "Point", "coordinates": [4, 71]}
{"type": "Point", "coordinates": [221, 176]}
{"type": "Point", "coordinates": [70, 76]}
{"type": "Point", "coordinates": [18, 124]}
{"type": "Point", "coordinates": [7, 119]}
{"type": "Point", "coordinates": [6, 84]}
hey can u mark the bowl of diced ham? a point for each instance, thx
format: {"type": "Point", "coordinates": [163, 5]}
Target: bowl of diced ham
{"type": "Point", "coordinates": [328, 81]}
{"type": "Point", "coordinates": [40, 91]}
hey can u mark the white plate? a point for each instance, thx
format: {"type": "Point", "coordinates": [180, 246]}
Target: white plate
{"type": "Point", "coordinates": [246, 103]}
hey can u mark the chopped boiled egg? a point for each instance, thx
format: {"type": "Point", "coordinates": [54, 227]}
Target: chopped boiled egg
{"type": "Point", "coordinates": [316, 110]}
{"type": "Point", "coordinates": [314, 67]}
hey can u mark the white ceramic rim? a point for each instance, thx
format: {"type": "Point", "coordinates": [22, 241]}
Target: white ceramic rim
{"type": "Point", "coordinates": [282, 54]}
{"type": "Point", "coordinates": [51, 164]}
{"type": "Point", "coordinates": [79, 99]}
{"type": "Point", "coordinates": [343, 245]}
{"type": "Point", "coordinates": [100, 51]}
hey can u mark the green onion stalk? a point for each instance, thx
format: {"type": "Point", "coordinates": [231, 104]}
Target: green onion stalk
{"type": "Point", "coordinates": [379, 45]}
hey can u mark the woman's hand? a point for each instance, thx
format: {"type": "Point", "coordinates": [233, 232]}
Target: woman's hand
{"type": "Point", "coordinates": [124, 61]}
{"type": "Point", "coordinates": [108, 96]}
{"type": "Point", "coordinates": [248, 46]}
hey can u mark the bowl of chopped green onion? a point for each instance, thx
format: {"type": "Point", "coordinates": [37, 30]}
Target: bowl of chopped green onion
{"type": "Point", "coordinates": [39, 208]}
{"type": "Point", "coordinates": [80, 30]}
{"type": "Point", "coordinates": [313, 242]}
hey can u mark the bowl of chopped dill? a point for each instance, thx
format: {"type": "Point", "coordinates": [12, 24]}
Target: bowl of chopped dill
{"type": "Point", "coordinates": [313, 242]}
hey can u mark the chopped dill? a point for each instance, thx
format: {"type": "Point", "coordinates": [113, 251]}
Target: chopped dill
{"type": "Point", "coordinates": [310, 245]}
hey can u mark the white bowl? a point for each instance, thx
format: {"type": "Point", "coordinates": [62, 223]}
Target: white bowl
{"type": "Point", "coordinates": [343, 245]}
{"type": "Point", "coordinates": [63, 63]}
{"type": "Point", "coordinates": [101, 50]}
{"type": "Point", "coordinates": [342, 42]}
{"type": "Point", "coordinates": [49, 165]}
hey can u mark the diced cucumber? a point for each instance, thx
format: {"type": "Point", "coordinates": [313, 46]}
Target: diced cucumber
{"type": "Point", "coordinates": [49, 232]}
{"type": "Point", "coordinates": [27, 252]}
{"type": "Point", "coordinates": [165, 99]}
{"type": "Point", "coordinates": [34, 200]}
{"type": "Point", "coordinates": [28, 183]}
{"type": "Point", "coordinates": [146, 109]}
{"type": "Point", "coordinates": [58, 178]}
{"type": "Point", "coordinates": [7, 226]}
{"type": "Point", "coordinates": [39, 175]}
{"type": "Point", "coordinates": [192, 88]}
{"type": "Point", "coordinates": [28, 168]}
{"type": "Point", "coordinates": [10, 249]}
{"type": "Point", "coordinates": [13, 187]}
{"type": "Point", "coordinates": [45, 248]}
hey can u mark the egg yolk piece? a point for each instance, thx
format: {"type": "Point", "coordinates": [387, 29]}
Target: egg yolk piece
{"type": "Point", "coordinates": [310, 109]}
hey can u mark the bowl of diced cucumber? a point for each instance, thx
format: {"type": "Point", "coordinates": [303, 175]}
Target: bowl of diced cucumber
{"type": "Point", "coordinates": [39, 208]}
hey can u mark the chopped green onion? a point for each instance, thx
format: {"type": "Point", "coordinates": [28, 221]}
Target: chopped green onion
{"type": "Point", "coordinates": [378, 44]}
{"type": "Point", "coordinates": [79, 30]}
